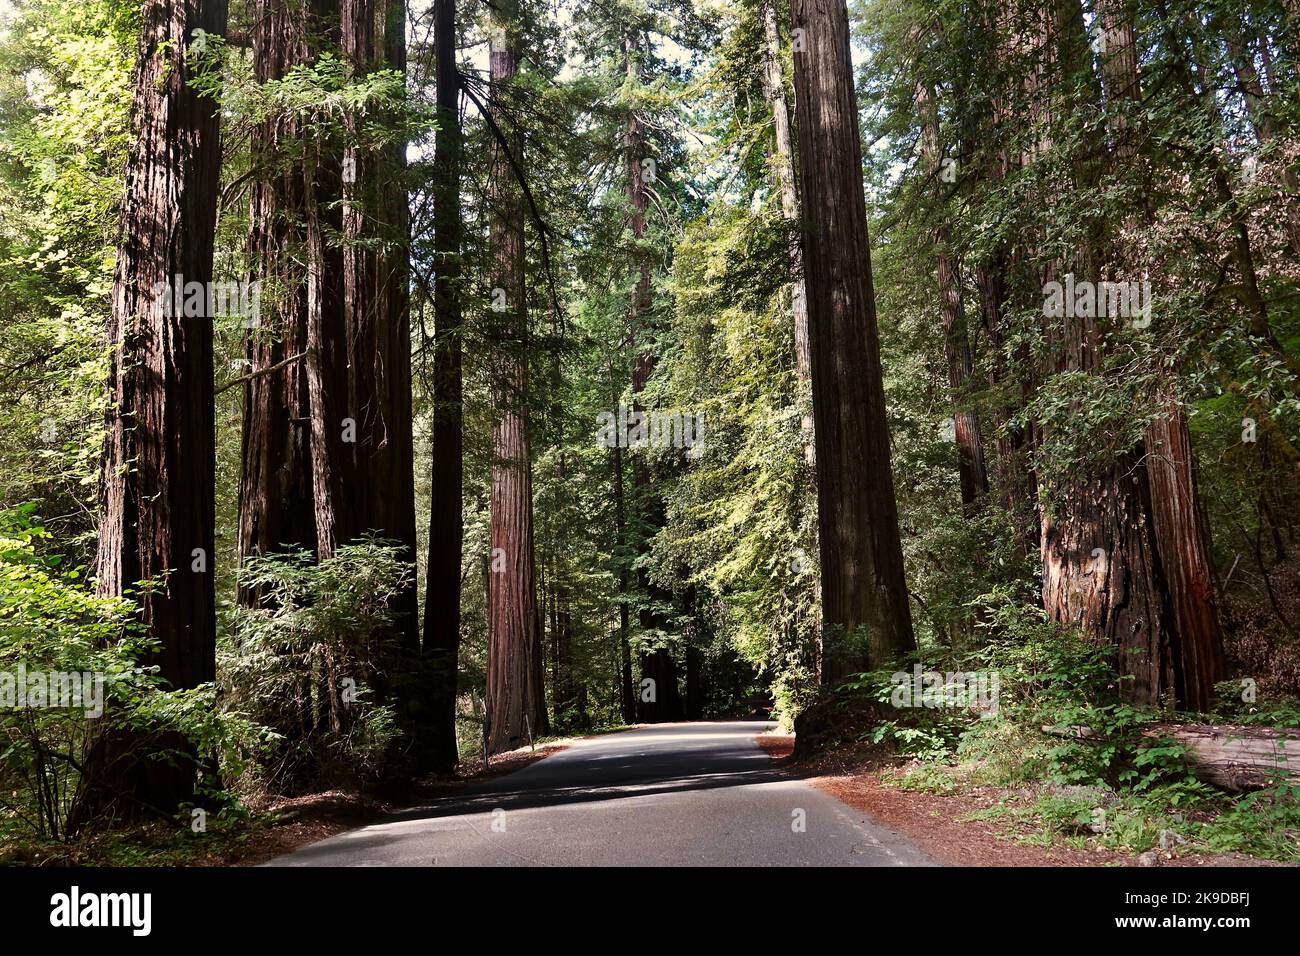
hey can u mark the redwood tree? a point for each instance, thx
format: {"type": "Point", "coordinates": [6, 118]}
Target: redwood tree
{"type": "Point", "coordinates": [516, 702]}
{"type": "Point", "coordinates": [376, 469]}
{"type": "Point", "coordinates": [275, 499]}
{"type": "Point", "coordinates": [157, 485]}
{"type": "Point", "coordinates": [1178, 521]}
{"type": "Point", "coordinates": [446, 532]}
{"type": "Point", "coordinates": [863, 587]}
{"type": "Point", "coordinates": [1102, 570]}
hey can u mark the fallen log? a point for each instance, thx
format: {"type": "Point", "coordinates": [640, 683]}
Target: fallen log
{"type": "Point", "coordinates": [1229, 756]}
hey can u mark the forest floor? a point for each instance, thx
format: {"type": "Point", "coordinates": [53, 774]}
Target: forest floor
{"type": "Point", "coordinates": [978, 826]}
{"type": "Point", "coordinates": [273, 825]}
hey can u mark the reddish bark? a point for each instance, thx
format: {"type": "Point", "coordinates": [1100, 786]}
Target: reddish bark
{"type": "Point", "coordinates": [516, 695]}
{"type": "Point", "coordinates": [378, 468]}
{"type": "Point", "coordinates": [275, 502]}
{"type": "Point", "coordinates": [157, 486]}
{"type": "Point", "coordinates": [1180, 533]}
{"type": "Point", "coordinates": [863, 587]}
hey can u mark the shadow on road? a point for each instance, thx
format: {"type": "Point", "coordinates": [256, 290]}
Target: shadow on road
{"type": "Point", "coordinates": [648, 761]}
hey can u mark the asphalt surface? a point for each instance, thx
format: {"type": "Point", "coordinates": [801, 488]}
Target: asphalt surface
{"type": "Point", "coordinates": [696, 794]}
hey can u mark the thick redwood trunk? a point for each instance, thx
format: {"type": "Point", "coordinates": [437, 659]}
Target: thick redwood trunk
{"type": "Point", "coordinates": [446, 531]}
{"type": "Point", "coordinates": [516, 701]}
{"type": "Point", "coordinates": [1102, 572]}
{"type": "Point", "coordinates": [275, 501]}
{"type": "Point", "coordinates": [863, 587]}
{"type": "Point", "coordinates": [157, 486]}
{"type": "Point", "coordinates": [1103, 563]}
{"type": "Point", "coordinates": [1177, 519]}
{"type": "Point", "coordinates": [1100, 565]}
{"type": "Point", "coordinates": [1184, 552]}
{"type": "Point", "coordinates": [378, 465]}
{"type": "Point", "coordinates": [514, 659]}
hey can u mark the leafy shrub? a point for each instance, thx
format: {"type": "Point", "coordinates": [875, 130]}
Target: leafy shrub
{"type": "Point", "coordinates": [1265, 823]}
{"type": "Point", "coordinates": [917, 731]}
{"type": "Point", "coordinates": [1052, 678]}
{"type": "Point", "coordinates": [1232, 706]}
{"type": "Point", "coordinates": [51, 628]}
{"type": "Point", "coordinates": [794, 687]}
{"type": "Point", "coordinates": [50, 623]}
{"type": "Point", "coordinates": [309, 659]}
{"type": "Point", "coordinates": [1061, 713]}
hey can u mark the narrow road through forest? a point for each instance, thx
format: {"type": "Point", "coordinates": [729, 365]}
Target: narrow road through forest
{"type": "Point", "coordinates": [691, 794]}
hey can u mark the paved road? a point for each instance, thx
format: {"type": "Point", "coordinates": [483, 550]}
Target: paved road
{"type": "Point", "coordinates": [697, 794]}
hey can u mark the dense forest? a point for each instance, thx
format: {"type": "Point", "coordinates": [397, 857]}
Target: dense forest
{"type": "Point", "coordinates": [391, 385]}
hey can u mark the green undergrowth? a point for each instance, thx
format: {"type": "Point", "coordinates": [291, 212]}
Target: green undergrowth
{"type": "Point", "coordinates": [227, 838]}
{"type": "Point", "coordinates": [1114, 786]}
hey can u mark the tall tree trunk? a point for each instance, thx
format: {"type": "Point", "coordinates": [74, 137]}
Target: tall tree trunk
{"type": "Point", "coordinates": [570, 701]}
{"type": "Point", "coordinates": [1181, 537]}
{"type": "Point", "coordinates": [275, 500]}
{"type": "Point", "coordinates": [378, 465]}
{"type": "Point", "coordinates": [358, 337]}
{"type": "Point", "coordinates": [627, 698]}
{"type": "Point", "coordinates": [1101, 570]}
{"type": "Point", "coordinates": [863, 586]}
{"type": "Point", "coordinates": [446, 531]}
{"type": "Point", "coordinates": [1101, 563]}
{"type": "Point", "coordinates": [515, 689]}
{"type": "Point", "coordinates": [1183, 540]}
{"type": "Point", "coordinates": [565, 692]}
{"type": "Point", "coordinates": [157, 491]}
{"type": "Point", "coordinates": [334, 495]}
{"type": "Point", "coordinates": [566, 697]}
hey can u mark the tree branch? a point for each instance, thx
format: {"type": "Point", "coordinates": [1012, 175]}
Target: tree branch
{"type": "Point", "coordinates": [258, 374]}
